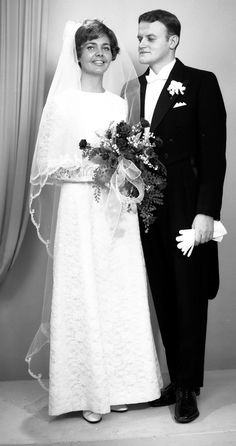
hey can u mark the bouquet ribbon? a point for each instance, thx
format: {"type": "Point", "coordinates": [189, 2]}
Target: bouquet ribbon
{"type": "Point", "coordinates": [126, 172]}
{"type": "Point", "coordinates": [186, 238]}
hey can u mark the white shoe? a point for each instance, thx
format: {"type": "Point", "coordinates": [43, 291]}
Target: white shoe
{"type": "Point", "coordinates": [119, 408]}
{"type": "Point", "coordinates": [92, 417]}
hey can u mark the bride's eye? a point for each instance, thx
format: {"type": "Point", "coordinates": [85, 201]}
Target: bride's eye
{"type": "Point", "coordinates": [90, 47]}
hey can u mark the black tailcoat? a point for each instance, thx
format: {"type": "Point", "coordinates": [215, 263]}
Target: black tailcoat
{"type": "Point", "coordinates": [193, 151]}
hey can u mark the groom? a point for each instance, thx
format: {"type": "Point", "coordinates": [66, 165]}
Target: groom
{"type": "Point", "coordinates": [189, 116]}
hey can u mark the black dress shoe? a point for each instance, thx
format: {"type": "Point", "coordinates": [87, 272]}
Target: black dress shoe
{"type": "Point", "coordinates": [168, 396]}
{"type": "Point", "coordinates": [186, 409]}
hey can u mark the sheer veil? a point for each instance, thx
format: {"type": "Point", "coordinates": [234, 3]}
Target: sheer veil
{"type": "Point", "coordinates": [54, 150]}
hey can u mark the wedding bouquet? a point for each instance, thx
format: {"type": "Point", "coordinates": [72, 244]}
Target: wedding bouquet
{"type": "Point", "coordinates": [129, 164]}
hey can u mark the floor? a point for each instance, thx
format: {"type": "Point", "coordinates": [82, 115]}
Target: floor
{"type": "Point", "coordinates": [24, 420]}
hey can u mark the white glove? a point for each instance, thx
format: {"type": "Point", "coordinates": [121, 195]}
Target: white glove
{"type": "Point", "coordinates": [187, 237]}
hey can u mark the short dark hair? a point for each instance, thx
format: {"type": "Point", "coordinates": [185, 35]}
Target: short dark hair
{"type": "Point", "coordinates": [93, 29]}
{"type": "Point", "coordinates": [168, 19]}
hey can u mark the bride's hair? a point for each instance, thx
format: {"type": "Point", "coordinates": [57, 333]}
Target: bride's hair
{"type": "Point", "coordinates": [93, 29]}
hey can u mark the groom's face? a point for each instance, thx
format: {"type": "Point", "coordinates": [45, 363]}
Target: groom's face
{"type": "Point", "coordinates": [154, 43]}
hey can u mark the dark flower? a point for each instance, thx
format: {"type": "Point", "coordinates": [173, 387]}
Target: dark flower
{"type": "Point", "coordinates": [121, 143]}
{"type": "Point", "coordinates": [83, 144]}
{"type": "Point", "coordinates": [158, 141]}
{"type": "Point", "coordinates": [109, 134]}
{"type": "Point", "coordinates": [144, 123]}
{"type": "Point", "coordinates": [123, 129]}
{"type": "Point", "coordinates": [150, 152]}
{"type": "Point", "coordinates": [105, 156]}
{"type": "Point", "coordinates": [113, 161]}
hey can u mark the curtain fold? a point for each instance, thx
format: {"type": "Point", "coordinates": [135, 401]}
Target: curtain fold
{"type": "Point", "coordinates": [23, 39]}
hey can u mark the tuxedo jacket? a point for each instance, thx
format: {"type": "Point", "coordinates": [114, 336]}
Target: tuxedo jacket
{"type": "Point", "coordinates": [192, 127]}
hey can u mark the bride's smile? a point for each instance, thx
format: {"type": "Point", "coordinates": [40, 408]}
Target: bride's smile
{"type": "Point", "coordinates": [96, 56]}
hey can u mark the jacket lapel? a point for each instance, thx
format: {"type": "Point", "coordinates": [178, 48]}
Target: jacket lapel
{"type": "Point", "coordinates": [143, 86]}
{"type": "Point", "coordinates": [165, 100]}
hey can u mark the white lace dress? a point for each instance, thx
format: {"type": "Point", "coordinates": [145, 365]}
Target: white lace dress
{"type": "Point", "coordinates": [102, 351]}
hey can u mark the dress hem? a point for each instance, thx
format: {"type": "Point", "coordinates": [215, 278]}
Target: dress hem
{"type": "Point", "coordinates": [152, 397]}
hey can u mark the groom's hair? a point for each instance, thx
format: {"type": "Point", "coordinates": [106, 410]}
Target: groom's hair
{"type": "Point", "coordinates": [170, 21]}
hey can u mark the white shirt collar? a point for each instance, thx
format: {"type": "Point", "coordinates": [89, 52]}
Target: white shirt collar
{"type": "Point", "coordinates": [163, 73]}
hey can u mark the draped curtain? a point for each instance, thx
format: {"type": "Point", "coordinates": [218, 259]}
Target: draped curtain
{"type": "Point", "coordinates": [23, 35]}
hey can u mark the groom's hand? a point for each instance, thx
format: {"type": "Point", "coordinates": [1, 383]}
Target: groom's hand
{"type": "Point", "coordinates": [203, 226]}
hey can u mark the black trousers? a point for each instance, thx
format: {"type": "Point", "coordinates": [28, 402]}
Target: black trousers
{"type": "Point", "coordinates": [181, 307]}
{"type": "Point", "coordinates": [180, 285]}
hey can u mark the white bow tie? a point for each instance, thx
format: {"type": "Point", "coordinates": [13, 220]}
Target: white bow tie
{"type": "Point", "coordinates": [154, 78]}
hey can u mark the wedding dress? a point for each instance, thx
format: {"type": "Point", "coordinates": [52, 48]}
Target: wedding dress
{"type": "Point", "coordinates": [102, 351]}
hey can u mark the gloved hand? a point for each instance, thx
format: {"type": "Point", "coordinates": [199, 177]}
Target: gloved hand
{"type": "Point", "coordinates": [186, 238]}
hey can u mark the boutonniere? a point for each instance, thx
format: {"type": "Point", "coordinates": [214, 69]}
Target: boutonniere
{"type": "Point", "coordinates": [176, 87]}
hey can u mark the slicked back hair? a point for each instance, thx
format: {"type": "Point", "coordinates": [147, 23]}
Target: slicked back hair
{"type": "Point", "coordinates": [168, 19]}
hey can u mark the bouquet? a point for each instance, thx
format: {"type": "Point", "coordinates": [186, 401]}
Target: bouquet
{"type": "Point", "coordinates": [129, 160]}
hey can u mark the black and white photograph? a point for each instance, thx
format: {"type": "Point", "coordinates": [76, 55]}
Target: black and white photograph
{"type": "Point", "coordinates": [117, 223]}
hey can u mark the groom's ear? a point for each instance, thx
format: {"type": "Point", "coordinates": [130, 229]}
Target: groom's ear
{"type": "Point", "coordinates": [173, 42]}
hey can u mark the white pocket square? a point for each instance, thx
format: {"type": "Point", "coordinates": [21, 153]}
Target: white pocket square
{"type": "Point", "coordinates": [179, 104]}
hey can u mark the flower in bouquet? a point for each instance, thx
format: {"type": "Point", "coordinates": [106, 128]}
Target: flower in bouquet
{"type": "Point", "coordinates": [130, 163]}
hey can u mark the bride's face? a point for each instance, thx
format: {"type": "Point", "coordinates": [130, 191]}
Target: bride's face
{"type": "Point", "coordinates": [96, 56]}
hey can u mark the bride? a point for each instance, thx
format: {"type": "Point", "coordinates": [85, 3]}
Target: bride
{"type": "Point", "coordinates": [102, 353]}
